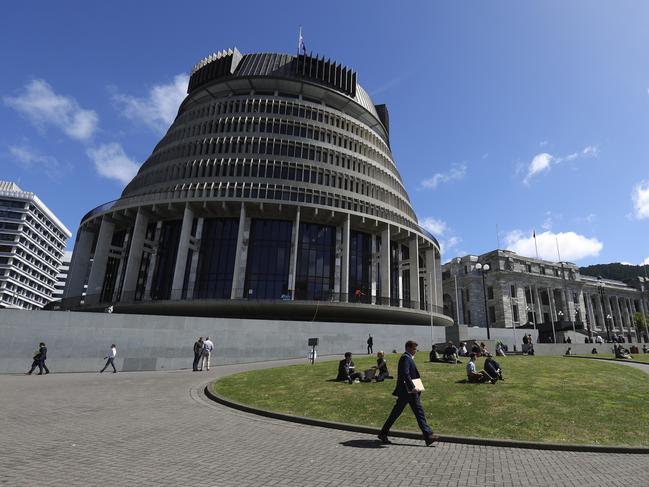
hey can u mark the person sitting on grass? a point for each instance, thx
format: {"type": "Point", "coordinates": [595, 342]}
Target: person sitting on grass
{"type": "Point", "coordinates": [593, 351]}
{"type": "Point", "coordinates": [621, 352]}
{"type": "Point", "coordinates": [644, 348]}
{"type": "Point", "coordinates": [450, 353]}
{"type": "Point", "coordinates": [381, 368]}
{"type": "Point", "coordinates": [493, 368]}
{"type": "Point", "coordinates": [477, 376]}
{"type": "Point", "coordinates": [475, 349]}
{"type": "Point", "coordinates": [569, 351]}
{"type": "Point", "coordinates": [346, 369]}
{"type": "Point", "coordinates": [434, 356]}
{"type": "Point", "coordinates": [461, 351]}
{"type": "Point", "coordinates": [483, 350]}
{"type": "Point", "coordinates": [500, 350]}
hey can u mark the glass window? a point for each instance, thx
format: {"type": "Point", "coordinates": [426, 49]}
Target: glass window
{"type": "Point", "coordinates": [360, 263]}
{"type": "Point", "coordinates": [217, 258]}
{"type": "Point", "coordinates": [166, 259]}
{"type": "Point", "coordinates": [269, 252]}
{"type": "Point", "coordinates": [314, 277]}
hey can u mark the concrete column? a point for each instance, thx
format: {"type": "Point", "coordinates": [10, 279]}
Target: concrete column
{"type": "Point", "coordinates": [385, 266]}
{"type": "Point", "coordinates": [437, 275]}
{"type": "Point", "coordinates": [134, 256]}
{"type": "Point", "coordinates": [539, 306]}
{"type": "Point", "coordinates": [591, 312]}
{"type": "Point", "coordinates": [295, 242]}
{"type": "Point", "coordinates": [344, 271]}
{"type": "Point", "coordinates": [553, 310]}
{"type": "Point", "coordinates": [618, 314]}
{"type": "Point", "coordinates": [181, 255]}
{"type": "Point", "coordinates": [195, 256]}
{"type": "Point", "coordinates": [79, 264]}
{"type": "Point", "coordinates": [98, 269]}
{"type": "Point", "coordinates": [120, 268]}
{"type": "Point", "coordinates": [430, 277]}
{"type": "Point", "coordinates": [413, 247]}
{"type": "Point", "coordinates": [146, 296]}
{"type": "Point", "coordinates": [239, 273]}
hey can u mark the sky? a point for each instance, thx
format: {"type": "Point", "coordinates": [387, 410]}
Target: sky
{"type": "Point", "coordinates": [508, 119]}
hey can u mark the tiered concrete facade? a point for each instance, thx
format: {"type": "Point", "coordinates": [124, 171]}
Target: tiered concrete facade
{"type": "Point", "coordinates": [273, 194]}
{"type": "Point", "coordinates": [32, 241]}
{"type": "Point", "coordinates": [552, 297]}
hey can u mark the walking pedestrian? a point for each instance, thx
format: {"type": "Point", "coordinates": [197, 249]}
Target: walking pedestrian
{"type": "Point", "coordinates": [198, 351]}
{"type": "Point", "coordinates": [407, 393]}
{"type": "Point", "coordinates": [370, 344]}
{"type": "Point", "coordinates": [110, 359]}
{"type": "Point", "coordinates": [208, 346]}
{"type": "Point", "coordinates": [39, 360]}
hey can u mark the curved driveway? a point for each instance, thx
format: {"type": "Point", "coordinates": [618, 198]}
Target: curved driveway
{"type": "Point", "coordinates": [157, 428]}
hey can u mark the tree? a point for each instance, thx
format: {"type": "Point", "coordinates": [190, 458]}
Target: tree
{"type": "Point", "coordinates": [640, 322]}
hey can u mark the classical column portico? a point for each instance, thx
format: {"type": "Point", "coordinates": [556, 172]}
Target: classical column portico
{"type": "Point", "coordinates": [430, 278]}
{"type": "Point", "coordinates": [100, 259]}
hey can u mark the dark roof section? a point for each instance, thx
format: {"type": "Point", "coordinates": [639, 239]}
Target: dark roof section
{"type": "Point", "coordinates": [231, 63]}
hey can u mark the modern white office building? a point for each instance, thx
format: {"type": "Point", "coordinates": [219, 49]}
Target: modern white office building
{"type": "Point", "coordinates": [32, 242]}
{"type": "Point", "coordinates": [62, 275]}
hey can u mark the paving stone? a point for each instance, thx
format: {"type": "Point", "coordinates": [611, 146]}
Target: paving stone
{"type": "Point", "coordinates": [157, 428]}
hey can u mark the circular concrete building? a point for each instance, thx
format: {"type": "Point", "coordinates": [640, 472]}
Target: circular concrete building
{"type": "Point", "coordinates": [273, 195]}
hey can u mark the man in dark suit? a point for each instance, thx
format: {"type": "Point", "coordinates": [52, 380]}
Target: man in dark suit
{"type": "Point", "coordinates": [406, 394]}
{"type": "Point", "coordinates": [346, 369]}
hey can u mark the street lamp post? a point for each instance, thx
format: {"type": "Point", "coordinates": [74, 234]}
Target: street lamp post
{"type": "Point", "coordinates": [483, 269]}
{"type": "Point", "coordinates": [609, 319]}
{"type": "Point", "coordinates": [528, 309]}
{"type": "Point", "coordinates": [560, 315]}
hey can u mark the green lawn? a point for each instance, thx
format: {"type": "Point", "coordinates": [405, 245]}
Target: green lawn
{"type": "Point", "coordinates": [549, 399]}
{"type": "Point", "coordinates": [637, 357]}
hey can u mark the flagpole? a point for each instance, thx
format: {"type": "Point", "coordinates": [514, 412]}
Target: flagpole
{"type": "Point", "coordinates": [535, 246]}
{"type": "Point", "coordinates": [299, 41]}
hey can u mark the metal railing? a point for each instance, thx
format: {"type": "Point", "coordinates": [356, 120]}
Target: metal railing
{"type": "Point", "coordinates": [243, 295]}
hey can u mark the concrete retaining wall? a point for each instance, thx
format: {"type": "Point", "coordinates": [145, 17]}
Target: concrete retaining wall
{"type": "Point", "coordinates": [77, 342]}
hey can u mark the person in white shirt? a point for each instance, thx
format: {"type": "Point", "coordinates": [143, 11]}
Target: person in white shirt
{"type": "Point", "coordinates": [110, 359]}
{"type": "Point", "coordinates": [462, 351]}
{"type": "Point", "coordinates": [208, 346]}
{"type": "Point", "coordinates": [474, 375]}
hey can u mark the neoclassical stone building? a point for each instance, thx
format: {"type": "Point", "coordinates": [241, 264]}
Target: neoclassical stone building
{"type": "Point", "coordinates": [552, 297]}
{"type": "Point", "coordinates": [273, 194]}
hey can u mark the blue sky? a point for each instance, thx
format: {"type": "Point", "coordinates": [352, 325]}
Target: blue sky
{"type": "Point", "coordinates": [506, 116]}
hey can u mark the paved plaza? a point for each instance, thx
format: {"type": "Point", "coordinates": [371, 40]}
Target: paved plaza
{"type": "Point", "coordinates": [158, 428]}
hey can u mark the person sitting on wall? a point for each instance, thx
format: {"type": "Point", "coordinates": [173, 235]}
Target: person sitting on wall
{"type": "Point", "coordinates": [599, 339]}
{"type": "Point", "coordinates": [493, 368]}
{"type": "Point", "coordinates": [346, 369]}
{"type": "Point", "coordinates": [474, 375]}
{"type": "Point", "coordinates": [483, 350]}
{"type": "Point", "coordinates": [568, 340]}
{"type": "Point", "coordinates": [621, 352]}
{"type": "Point", "coordinates": [450, 353]}
{"type": "Point", "coordinates": [434, 355]}
{"type": "Point", "coordinates": [462, 351]}
{"type": "Point", "coordinates": [381, 368]}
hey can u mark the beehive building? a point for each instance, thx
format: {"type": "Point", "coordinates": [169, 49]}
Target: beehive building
{"type": "Point", "coordinates": [274, 194]}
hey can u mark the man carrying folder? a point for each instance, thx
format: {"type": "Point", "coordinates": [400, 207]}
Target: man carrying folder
{"type": "Point", "coordinates": [408, 389]}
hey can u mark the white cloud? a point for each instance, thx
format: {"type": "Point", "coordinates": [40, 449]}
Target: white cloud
{"type": "Point", "coordinates": [646, 261]}
{"type": "Point", "coordinates": [434, 226]}
{"type": "Point", "coordinates": [444, 234]}
{"type": "Point", "coordinates": [640, 198]}
{"type": "Point", "coordinates": [544, 161]}
{"type": "Point", "coordinates": [159, 108]}
{"type": "Point", "coordinates": [573, 246]}
{"type": "Point", "coordinates": [43, 107]}
{"type": "Point", "coordinates": [28, 158]}
{"type": "Point", "coordinates": [112, 162]}
{"type": "Point", "coordinates": [540, 162]}
{"type": "Point", "coordinates": [457, 172]}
